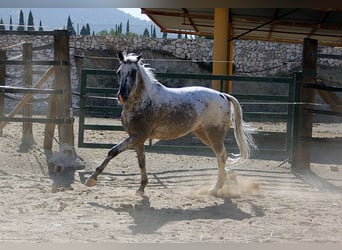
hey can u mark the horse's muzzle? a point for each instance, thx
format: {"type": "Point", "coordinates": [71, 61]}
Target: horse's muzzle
{"type": "Point", "coordinates": [120, 99]}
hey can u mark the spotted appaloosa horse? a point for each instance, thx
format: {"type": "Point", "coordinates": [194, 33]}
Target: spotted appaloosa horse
{"type": "Point", "coordinates": [151, 110]}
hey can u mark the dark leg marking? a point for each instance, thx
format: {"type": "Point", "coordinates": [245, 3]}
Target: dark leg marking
{"type": "Point", "coordinates": [114, 151]}
{"type": "Point", "coordinates": [142, 165]}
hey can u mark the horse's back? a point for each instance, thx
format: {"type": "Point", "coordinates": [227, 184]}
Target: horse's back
{"type": "Point", "coordinates": [208, 105]}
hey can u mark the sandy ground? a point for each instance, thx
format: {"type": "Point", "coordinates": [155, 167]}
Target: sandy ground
{"type": "Point", "coordinates": [270, 203]}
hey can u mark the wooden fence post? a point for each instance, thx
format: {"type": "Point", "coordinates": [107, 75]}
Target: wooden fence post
{"type": "Point", "coordinates": [61, 107]}
{"type": "Point", "coordinates": [50, 127]}
{"type": "Point", "coordinates": [27, 139]}
{"type": "Point", "coordinates": [3, 83]}
{"type": "Point", "coordinates": [302, 156]}
{"type": "Point", "coordinates": [63, 81]}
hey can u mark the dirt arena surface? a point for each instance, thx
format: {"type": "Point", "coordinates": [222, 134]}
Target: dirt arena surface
{"type": "Point", "coordinates": [269, 204]}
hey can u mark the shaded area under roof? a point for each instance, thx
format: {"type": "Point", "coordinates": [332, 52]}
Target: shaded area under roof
{"type": "Point", "coordinates": [266, 24]}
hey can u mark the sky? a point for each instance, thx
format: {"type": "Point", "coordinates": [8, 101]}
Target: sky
{"type": "Point", "coordinates": [136, 12]}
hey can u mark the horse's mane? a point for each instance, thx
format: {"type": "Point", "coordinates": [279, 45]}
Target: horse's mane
{"type": "Point", "coordinates": [146, 70]}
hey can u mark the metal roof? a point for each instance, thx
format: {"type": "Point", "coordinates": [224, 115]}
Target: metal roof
{"type": "Point", "coordinates": [267, 24]}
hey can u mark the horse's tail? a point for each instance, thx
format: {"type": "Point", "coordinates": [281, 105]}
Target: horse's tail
{"type": "Point", "coordinates": [242, 131]}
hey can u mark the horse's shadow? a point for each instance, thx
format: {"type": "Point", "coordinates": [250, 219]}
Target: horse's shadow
{"type": "Point", "coordinates": [147, 219]}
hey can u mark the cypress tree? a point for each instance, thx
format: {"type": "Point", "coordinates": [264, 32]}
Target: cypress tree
{"type": "Point", "coordinates": [21, 25]}
{"type": "Point", "coordinates": [40, 26]}
{"type": "Point", "coordinates": [164, 35]}
{"type": "Point", "coordinates": [11, 24]}
{"type": "Point", "coordinates": [146, 33]}
{"type": "Point", "coordinates": [2, 26]}
{"type": "Point", "coordinates": [154, 34]}
{"type": "Point", "coordinates": [83, 31]}
{"type": "Point", "coordinates": [127, 27]}
{"type": "Point", "coordinates": [87, 29]}
{"type": "Point", "coordinates": [30, 24]}
{"type": "Point", "coordinates": [70, 27]}
{"type": "Point", "coordinates": [120, 28]}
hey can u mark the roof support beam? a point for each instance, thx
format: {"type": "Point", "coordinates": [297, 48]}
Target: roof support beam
{"type": "Point", "coordinates": [220, 56]}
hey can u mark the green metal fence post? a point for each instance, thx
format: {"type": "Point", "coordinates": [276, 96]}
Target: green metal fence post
{"type": "Point", "coordinates": [295, 120]}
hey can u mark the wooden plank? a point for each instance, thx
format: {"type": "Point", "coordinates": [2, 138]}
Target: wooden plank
{"type": "Point", "coordinates": [31, 62]}
{"type": "Point", "coordinates": [2, 83]}
{"type": "Point", "coordinates": [28, 97]}
{"type": "Point", "coordinates": [49, 129]}
{"type": "Point", "coordinates": [27, 138]}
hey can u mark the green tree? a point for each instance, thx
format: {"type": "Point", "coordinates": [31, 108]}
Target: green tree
{"type": "Point", "coordinates": [164, 35]}
{"type": "Point", "coordinates": [127, 27]}
{"type": "Point", "coordinates": [120, 29]}
{"type": "Point", "coordinates": [179, 36]}
{"type": "Point", "coordinates": [11, 24]}
{"type": "Point", "coordinates": [30, 23]}
{"type": "Point", "coordinates": [2, 26]}
{"type": "Point", "coordinates": [83, 31]}
{"type": "Point", "coordinates": [70, 27]}
{"type": "Point", "coordinates": [146, 33]}
{"type": "Point", "coordinates": [88, 28]}
{"type": "Point", "coordinates": [40, 26]}
{"type": "Point", "coordinates": [154, 34]}
{"type": "Point", "coordinates": [102, 33]}
{"type": "Point", "coordinates": [21, 25]}
{"type": "Point", "coordinates": [116, 30]}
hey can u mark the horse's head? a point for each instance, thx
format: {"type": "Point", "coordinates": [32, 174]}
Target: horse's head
{"type": "Point", "coordinates": [128, 75]}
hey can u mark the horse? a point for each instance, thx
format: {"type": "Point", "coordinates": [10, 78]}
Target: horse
{"type": "Point", "coordinates": [154, 111]}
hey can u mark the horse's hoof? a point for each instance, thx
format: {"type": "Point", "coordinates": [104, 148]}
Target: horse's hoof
{"type": "Point", "coordinates": [90, 182]}
{"type": "Point", "coordinates": [213, 192]}
{"type": "Point", "coordinates": [139, 193]}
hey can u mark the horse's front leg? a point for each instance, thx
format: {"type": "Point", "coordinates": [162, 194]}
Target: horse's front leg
{"type": "Point", "coordinates": [142, 165]}
{"type": "Point", "coordinates": [114, 151]}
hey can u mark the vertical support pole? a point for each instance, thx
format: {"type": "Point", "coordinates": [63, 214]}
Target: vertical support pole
{"type": "Point", "coordinates": [82, 105]}
{"type": "Point", "coordinates": [293, 138]}
{"type": "Point", "coordinates": [220, 45]}
{"type": "Point", "coordinates": [289, 122]}
{"type": "Point", "coordinates": [2, 83]}
{"type": "Point", "coordinates": [63, 81]}
{"type": "Point", "coordinates": [230, 56]}
{"type": "Point", "coordinates": [302, 156]}
{"type": "Point", "coordinates": [27, 139]}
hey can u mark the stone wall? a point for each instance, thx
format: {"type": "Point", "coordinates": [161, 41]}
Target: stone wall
{"type": "Point", "coordinates": [250, 57]}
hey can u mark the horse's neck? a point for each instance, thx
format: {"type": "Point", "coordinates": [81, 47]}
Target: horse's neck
{"type": "Point", "coordinates": [147, 83]}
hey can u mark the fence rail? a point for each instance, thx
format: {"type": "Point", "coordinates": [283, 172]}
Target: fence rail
{"type": "Point", "coordinates": [87, 92]}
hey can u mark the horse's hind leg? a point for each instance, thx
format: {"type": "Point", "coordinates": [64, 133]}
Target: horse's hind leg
{"type": "Point", "coordinates": [221, 156]}
{"type": "Point", "coordinates": [215, 140]}
{"type": "Point", "coordinates": [142, 165]}
{"type": "Point", "coordinates": [114, 151]}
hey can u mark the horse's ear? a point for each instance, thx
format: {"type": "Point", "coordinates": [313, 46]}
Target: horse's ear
{"type": "Point", "coordinates": [121, 56]}
{"type": "Point", "coordinates": [139, 57]}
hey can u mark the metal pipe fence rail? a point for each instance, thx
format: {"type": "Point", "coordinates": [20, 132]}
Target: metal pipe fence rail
{"type": "Point", "coordinates": [88, 92]}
